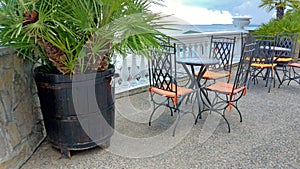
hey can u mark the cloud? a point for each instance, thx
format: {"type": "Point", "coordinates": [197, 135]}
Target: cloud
{"type": "Point", "coordinates": [213, 12]}
{"type": "Point", "coordinates": [214, 5]}
{"type": "Point", "coordinates": [194, 14]}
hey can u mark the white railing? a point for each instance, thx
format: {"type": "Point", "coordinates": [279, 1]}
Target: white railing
{"type": "Point", "coordinates": [132, 70]}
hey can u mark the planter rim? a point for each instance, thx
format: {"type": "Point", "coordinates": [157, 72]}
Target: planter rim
{"type": "Point", "coordinates": [61, 78]}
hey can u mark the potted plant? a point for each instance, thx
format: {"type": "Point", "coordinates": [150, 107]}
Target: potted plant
{"type": "Point", "coordinates": [73, 43]}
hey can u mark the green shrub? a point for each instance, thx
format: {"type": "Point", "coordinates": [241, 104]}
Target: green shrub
{"type": "Point", "coordinates": [290, 23]}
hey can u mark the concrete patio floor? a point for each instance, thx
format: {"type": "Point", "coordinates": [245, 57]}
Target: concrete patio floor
{"type": "Point", "coordinates": [268, 137]}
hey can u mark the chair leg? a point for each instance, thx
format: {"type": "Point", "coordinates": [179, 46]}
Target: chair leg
{"type": "Point", "coordinates": [199, 108]}
{"type": "Point", "coordinates": [237, 109]}
{"type": "Point", "coordinates": [272, 79]}
{"type": "Point", "coordinates": [198, 116]}
{"type": "Point", "coordinates": [274, 82]}
{"type": "Point", "coordinates": [253, 77]}
{"type": "Point", "coordinates": [289, 76]}
{"type": "Point", "coordinates": [168, 105]}
{"type": "Point", "coordinates": [151, 117]}
{"type": "Point", "coordinates": [171, 111]}
{"type": "Point", "coordinates": [226, 122]}
{"type": "Point", "coordinates": [248, 81]}
{"type": "Point", "coordinates": [223, 115]}
{"type": "Point", "coordinates": [278, 77]}
{"type": "Point", "coordinates": [269, 90]}
{"type": "Point", "coordinates": [267, 76]}
{"type": "Point", "coordinates": [154, 109]}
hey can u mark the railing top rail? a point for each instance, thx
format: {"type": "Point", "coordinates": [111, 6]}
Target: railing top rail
{"type": "Point", "coordinates": [194, 37]}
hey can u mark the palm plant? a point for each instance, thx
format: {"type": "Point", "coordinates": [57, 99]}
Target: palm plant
{"type": "Point", "coordinates": [279, 5]}
{"type": "Point", "coordinates": [77, 36]}
{"type": "Point", "coordinates": [290, 23]}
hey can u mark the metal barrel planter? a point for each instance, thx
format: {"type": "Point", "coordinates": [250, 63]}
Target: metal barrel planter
{"type": "Point", "coordinates": [78, 112]}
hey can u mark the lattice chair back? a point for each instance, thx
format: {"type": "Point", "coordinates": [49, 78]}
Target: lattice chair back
{"type": "Point", "coordinates": [287, 41]}
{"type": "Point", "coordinates": [222, 48]}
{"type": "Point", "coordinates": [243, 70]}
{"type": "Point", "coordinates": [263, 54]}
{"type": "Point", "coordinates": [162, 69]}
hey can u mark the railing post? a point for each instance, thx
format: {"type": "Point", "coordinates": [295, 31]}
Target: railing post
{"type": "Point", "coordinates": [133, 70]}
{"type": "Point", "coordinates": [143, 70]}
{"type": "Point", "coordinates": [178, 50]}
{"type": "Point", "coordinates": [206, 48]}
{"type": "Point", "coordinates": [190, 47]}
{"type": "Point", "coordinates": [196, 50]}
{"type": "Point", "coordinates": [184, 50]}
{"type": "Point", "coordinates": [124, 73]}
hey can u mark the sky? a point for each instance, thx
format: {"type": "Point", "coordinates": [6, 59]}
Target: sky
{"type": "Point", "coordinates": [213, 12]}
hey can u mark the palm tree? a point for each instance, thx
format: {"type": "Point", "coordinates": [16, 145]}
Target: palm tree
{"type": "Point", "coordinates": [279, 5]}
{"type": "Point", "coordinates": [73, 36]}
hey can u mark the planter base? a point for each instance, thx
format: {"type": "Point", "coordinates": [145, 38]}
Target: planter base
{"type": "Point", "coordinates": [66, 152]}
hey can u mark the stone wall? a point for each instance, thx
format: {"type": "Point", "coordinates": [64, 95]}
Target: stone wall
{"type": "Point", "coordinates": [21, 125]}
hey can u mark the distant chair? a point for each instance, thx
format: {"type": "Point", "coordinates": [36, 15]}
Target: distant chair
{"type": "Point", "coordinates": [228, 94]}
{"type": "Point", "coordinates": [293, 74]}
{"type": "Point", "coordinates": [283, 58]}
{"type": "Point", "coordinates": [163, 83]}
{"type": "Point", "coordinates": [288, 41]}
{"type": "Point", "coordinates": [222, 48]}
{"type": "Point", "coordinates": [263, 59]}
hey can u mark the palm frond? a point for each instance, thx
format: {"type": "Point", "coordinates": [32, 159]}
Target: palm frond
{"type": "Point", "coordinates": [76, 35]}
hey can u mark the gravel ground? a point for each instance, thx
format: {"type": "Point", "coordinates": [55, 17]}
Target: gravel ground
{"type": "Point", "coordinates": [268, 137]}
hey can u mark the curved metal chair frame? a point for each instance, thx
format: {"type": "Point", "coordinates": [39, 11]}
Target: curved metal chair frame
{"type": "Point", "coordinates": [228, 94]}
{"type": "Point", "coordinates": [287, 41]}
{"type": "Point", "coordinates": [163, 82]}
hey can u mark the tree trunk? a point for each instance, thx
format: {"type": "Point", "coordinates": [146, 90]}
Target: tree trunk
{"type": "Point", "coordinates": [279, 12]}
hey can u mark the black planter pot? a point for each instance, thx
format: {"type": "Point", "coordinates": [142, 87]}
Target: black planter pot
{"type": "Point", "coordinates": [78, 112]}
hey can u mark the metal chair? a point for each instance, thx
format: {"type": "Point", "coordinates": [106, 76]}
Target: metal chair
{"type": "Point", "coordinates": [292, 74]}
{"type": "Point", "coordinates": [228, 94]}
{"type": "Point", "coordinates": [288, 41]}
{"type": "Point", "coordinates": [163, 82]}
{"type": "Point", "coordinates": [283, 58]}
{"type": "Point", "coordinates": [263, 59]}
{"type": "Point", "coordinates": [222, 48]}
